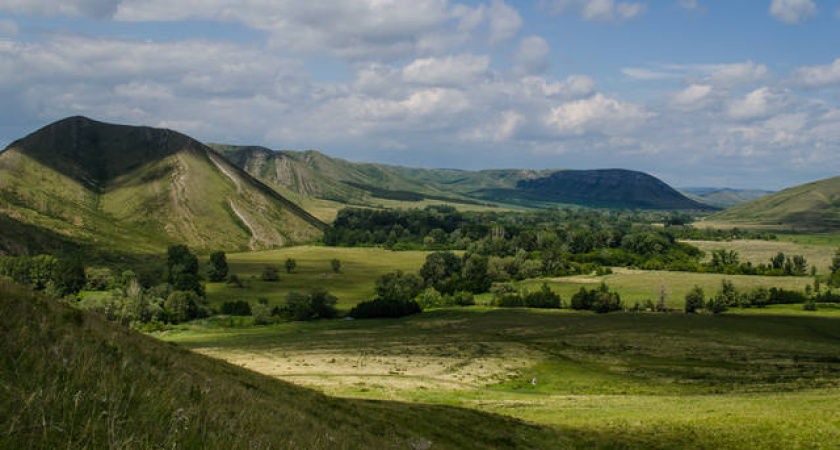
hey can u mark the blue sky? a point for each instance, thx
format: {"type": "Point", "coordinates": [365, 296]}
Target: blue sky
{"type": "Point", "coordinates": [699, 92]}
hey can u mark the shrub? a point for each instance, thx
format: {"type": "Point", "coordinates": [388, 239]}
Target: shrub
{"type": "Point", "coordinates": [291, 264]}
{"type": "Point", "coordinates": [262, 314]}
{"type": "Point", "coordinates": [600, 300]}
{"type": "Point", "coordinates": [430, 298]}
{"type": "Point", "coordinates": [318, 304]}
{"type": "Point", "coordinates": [510, 300]}
{"type": "Point", "coordinates": [236, 308]}
{"type": "Point", "coordinates": [717, 304]}
{"type": "Point", "coordinates": [336, 265]}
{"type": "Point", "coordinates": [270, 274]}
{"type": "Point", "coordinates": [543, 298]}
{"type": "Point", "coordinates": [463, 298]}
{"type": "Point", "coordinates": [182, 306]}
{"type": "Point", "coordinates": [694, 300]}
{"type": "Point", "coordinates": [384, 308]}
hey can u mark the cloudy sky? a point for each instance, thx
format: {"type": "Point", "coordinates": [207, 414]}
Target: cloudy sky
{"type": "Point", "coordinates": [699, 92]}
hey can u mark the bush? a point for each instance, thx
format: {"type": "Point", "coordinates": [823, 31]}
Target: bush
{"type": "Point", "coordinates": [430, 298]}
{"type": "Point", "coordinates": [270, 274]}
{"type": "Point", "coordinates": [318, 304]}
{"type": "Point", "coordinates": [262, 314]}
{"type": "Point", "coordinates": [383, 308]}
{"type": "Point", "coordinates": [694, 300]}
{"type": "Point", "coordinates": [336, 265]}
{"type": "Point", "coordinates": [510, 300]}
{"type": "Point", "coordinates": [463, 298]}
{"type": "Point", "coordinates": [182, 306]}
{"type": "Point", "coordinates": [600, 300]}
{"type": "Point", "coordinates": [236, 308]}
{"type": "Point", "coordinates": [543, 298]}
{"type": "Point", "coordinates": [291, 264]}
{"type": "Point", "coordinates": [717, 304]}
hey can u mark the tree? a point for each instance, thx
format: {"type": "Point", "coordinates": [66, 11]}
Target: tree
{"type": "Point", "coordinates": [261, 313]}
{"type": "Point", "coordinates": [834, 278]}
{"type": "Point", "coordinates": [270, 274]}
{"type": "Point", "coordinates": [182, 306]}
{"type": "Point", "coordinates": [182, 270]}
{"type": "Point", "coordinates": [717, 304]}
{"type": "Point", "coordinates": [729, 293]}
{"type": "Point", "coordinates": [543, 298]}
{"type": "Point", "coordinates": [336, 265]}
{"type": "Point", "coordinates": [70, 276]}
{"type": "Point", "coordinates": [291, 264]}
{"type": "Point", "coordinates": [398, 286]}
{"type": "Point", "coordinates": [694, 300]}
{"type": "Point", "coordinates": [218, 267]}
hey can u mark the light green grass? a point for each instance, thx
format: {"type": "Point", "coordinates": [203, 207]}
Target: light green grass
{"type": "Point", "coordinates": [618, 380]}
{"type": "Point", "coordinates": [760, 252]}
{"type": "Point", "coordinates": [360, 267]}
{"type": "Point", "coordinates": [640, 286]}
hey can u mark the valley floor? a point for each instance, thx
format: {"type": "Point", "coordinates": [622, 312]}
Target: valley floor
{"type": "Point", "coordinates": [628, 380]}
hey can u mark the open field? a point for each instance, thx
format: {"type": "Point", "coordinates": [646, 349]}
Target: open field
{"type": "Point", "coordinates": [360, 267]}
{"type": "Point", "coordinates": [629, 380]}
{"type": "Point", "coordinates": [760, 252]}
{"type": "Point", "coordinates": [641, 285]}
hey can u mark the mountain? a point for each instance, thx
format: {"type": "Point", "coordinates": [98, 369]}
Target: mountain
{"type": "Point", "coordinates": [138, 189]}
{"type": "Point", "coordinates": [312, 173]}
{"type": "Point", "coordinates": [812, 206]}
{"type": "Point", "coordinates": [722, 197]}
{"type": "Point", "coordinates": [70, 379]}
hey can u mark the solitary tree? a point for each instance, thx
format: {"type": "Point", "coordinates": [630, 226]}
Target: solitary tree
{"type": "Point", "coordinates": [291, 264]}
{"type": "Point", "coordinates": [270, 273]}
{"type": "Point", "coordinates": [218, 267]}
{"type": "Point", "coordinates": [336, 265]}
{"type": "Point", "coordinates": [694, 300]}
{"type": "Point", "coordinates": [834, 280]}
{"type": "Point", "coordinates": [182, 270]}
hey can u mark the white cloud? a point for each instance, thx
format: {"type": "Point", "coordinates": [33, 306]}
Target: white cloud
{"type": "Point", "coordinates": [639, 73]}
{"type": "Point", "coordinates": [793, 11]}
{"type": "Point", "coordinates": [817, 76]}
{"type": "Point", "coordinates": [531, 56]}
{"type": "Point", "coordinates": [693, 97]}
{"type": "Point", "coordinates": [504, 21]}
{"type": "Point", "coordinates": [98, 9]}
{"type": "Point", "coordinates": [597, 114]}
{"type": "Point", "coordinates": [760, 102]}
{"type": "Point", "coordinates": [689, 5]}
{"type": "Point", "coordinates": [452, 70]}
{"type": "Point", "coordinates": [599, 10]}
{"type": "Point", "coordinates": [738, 73]}
{"type": "Point", "coordinates": [9, 28]}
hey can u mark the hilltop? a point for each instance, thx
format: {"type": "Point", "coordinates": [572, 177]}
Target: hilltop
{"type": "Point", "coordinates": [812, 206]}
{"type": "Point", "coordinates": [137, 189]}
{"type": "Point", "coordinates": [314, 174]}
{"type": "Point", "coordinates": [723, 197]}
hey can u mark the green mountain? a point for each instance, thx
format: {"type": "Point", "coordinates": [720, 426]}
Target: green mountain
{"type": "Point", "coordinates": [137, 189]}
{"type": "Point", "coordinates": [722, 198]}
{"type": "Point", "coordinates": [70, 379]}
{"type": "Point", "coordinates": [812, 206]}
{"type": "Point", "coordinates": [314, 174]}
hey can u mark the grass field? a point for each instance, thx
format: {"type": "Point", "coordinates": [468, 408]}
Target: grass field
{"type": "Point", "coordinates": [620, 380]}
{"type": "Point", "coordinates": [640, 285]}
{"type": "Point", "coordinates": [360, 267]}
{"type": "Point", "coordinates": [817, 249]}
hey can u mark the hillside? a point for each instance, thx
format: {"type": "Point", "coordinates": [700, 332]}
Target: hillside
{"type": "Point", "coordinates": [314, 174]}
{"type": "Point", "coordinates": [723, 198]}
{"type": "Point", "coordinates": [69, 379]}
{"type": "Point", "coordinates": [138, 189]}
{"type": "Point", "coordinates": [812, 206]}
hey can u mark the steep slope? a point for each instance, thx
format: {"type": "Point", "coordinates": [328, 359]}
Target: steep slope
{"type": "Point", "coordinates": [69, 379]}
{"type": "Point", "coordinates": [812, 206]}
{"type": "Point", "coordinates": [314, 174]}
{"type": "Point", "coordinates": [723, 198]}
{"type": "Point", "coordinates": [139, 189]}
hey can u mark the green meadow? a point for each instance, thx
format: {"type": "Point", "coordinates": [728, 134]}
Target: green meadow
{"type": "Point", "coordinates": [360, 267]}
{"type": "Point", "coordinates": [621, 380]}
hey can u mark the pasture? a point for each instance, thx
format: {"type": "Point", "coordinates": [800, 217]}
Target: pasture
{"type": "Point", "coordinates": [817, 249]}
{"type": "Point", "coordinates": [634, 380]}
{"type": "Point", "coordinates": [360, 267]}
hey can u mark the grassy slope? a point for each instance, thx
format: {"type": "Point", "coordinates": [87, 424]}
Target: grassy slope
{"type": "Point", "coordinates": [360, 267]}
{"type": "Point", "coordinates": [723, 198]}
{"type": "Point", "coordinates": [72, 380]}
{"type": "Point", "coordinates": [173, 190]}
{"type": "Point", "coordinates": [812, 206]}
{"type": "Point", "coordinates": [760, 252]}
{"type": "Point", "coordinates": [615, 381]}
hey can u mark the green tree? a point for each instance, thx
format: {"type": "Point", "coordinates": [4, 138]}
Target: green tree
{"type": "Point", "coordinates": [270, 274]}
{"type": "Point", "coordinates": [70, 276]}
{"type": "Point", "coordinates": [182, 270]}
{"type": "Point", "coordinates": [218, 267]}
{"type": "Point", "coordinates": [694, 300]}
{"type": "Point", "coordinates": [834, 278]}
{"type": "Point", "coordinates": [182, 306]}
{"type": "Point", "coordinates": [262, 314]}
{"type": "Point", "coordinates": [336, 265]}
{"type": "Point", "coordinates": [717, 304]}
{"type": "Point", "coordinates": [291, 265]}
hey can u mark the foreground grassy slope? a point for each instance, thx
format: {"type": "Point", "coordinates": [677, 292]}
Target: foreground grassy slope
{"type": "Point", "coordinates": [72, 380]}
{"type": "Point", "coordinates": [138, 189]}
{"type": "Point", "coordinates": [611, 381]}
{"type": "Point", "coordinates": [812, 206]}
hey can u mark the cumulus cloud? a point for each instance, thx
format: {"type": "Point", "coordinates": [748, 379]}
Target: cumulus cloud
{"type": "Point", "coordinates": [97, 9]}
{"type": "Point", "coordinates": [452, 70]}
{"type": "Point", "coordinates": [692, 98]}
{"type": "Point", "coordinates": [599, 10]}
{"type": "Point", "coordinates": [758, 103]}
{"type": "Point", "coordinates": [504, 21]}
{"type": "Point", "coordinates": [598, 114]}
{"type": "Point", "coordinates": [531, 56]}
{"type": "Point", "coordinates": [817, 76]}
{"type": "Point", "coordinates": [640, 73]}
{"type": "Point", "coordinates": [793, 11]}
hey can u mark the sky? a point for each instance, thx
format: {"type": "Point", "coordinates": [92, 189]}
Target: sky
{"type": "Point", "coordinates": [719, 93]}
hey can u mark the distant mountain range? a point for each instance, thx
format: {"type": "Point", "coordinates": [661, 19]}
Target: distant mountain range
{"type": "Point", "coordinates": [722, 197]}
{"type": "Point", "coordinates": [314, 174]}
{"type": "Point", "coordinates": [813, 206]}
{"type": "Point", "coordinates": [138, 188]}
